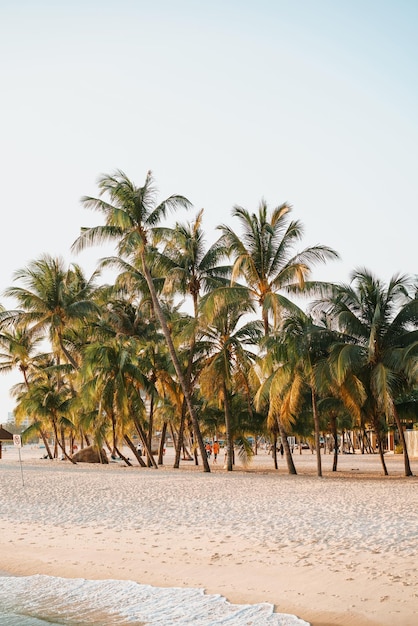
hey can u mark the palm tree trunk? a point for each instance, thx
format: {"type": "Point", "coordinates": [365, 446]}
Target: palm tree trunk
{"type": "Point", "coordinates": [335, 436]}
{"type": "Point", "coordinates": [274, 449]}
{"type": "Point", "coordinates": [123, 457]}
{"type": "Point", "coordinates": [317, 441]}
{"type": "Point", "coordinates": [62, 432]}
{"type": "Point", "coordinates": [229, 437]}
{"type": "Point", "coordinates": [57, 441]}
{"type": "Point", "coordinates": [288, 454]}
{"type": "Point", "coordinates": [114, 443]}
{"type": "Point", "coordinates": [144, 441]}
{"type": "Point", "coordinates": [46, 444]}
{"type": "Point", "coordinates": [175, 361]}
{"type": "Point", "coordinates": [180, 436]}
{"type": "Point", "coordinates": [265, 317]}
{"type": "Point", "coordinates": [162, 444]}
{"type": "Point", "coordinates": [150, 425]}
{"type": "Point", "coordinates": [67, 354]}
{"type": "Point", "coordinates": [134, 451]}
{"type": "Point", "coordinates": [380, 448]}
{"type": "Point", "coordinates": [408, 471]}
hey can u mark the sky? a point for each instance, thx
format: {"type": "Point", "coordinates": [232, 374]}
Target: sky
{"type": "Point", "coordinates": [226, 102]}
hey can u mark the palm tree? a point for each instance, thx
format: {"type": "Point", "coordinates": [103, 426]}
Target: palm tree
{"type": "Point", "coordinates": [19, 350]}
{"type": "Point", "coordinates": [112, 376]}
{"type": "Point", "coordinates": [380, 324]}
{"type": "Point", "coordinates": [302, 346]}
{"type": "Point", "coordinates": [272, 383]}
{"type": "Point", "coordinates": [228, 359]}
{"type": "Point", "coordinates": [131, 214]}
{"type": "Point", "coordinates": [189, 269]}
{"type": "Point", "coordinates": [264, 256]}
{"type": "Point", "coordinates": [54, 299]}
{"type": "Point", "coordinates": [46, 399]}
{"type": "Point", "coordinates": [335, 411]}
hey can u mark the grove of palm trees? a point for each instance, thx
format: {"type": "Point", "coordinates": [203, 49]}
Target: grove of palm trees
{"type": "Point", "coordinates": [198, 342]}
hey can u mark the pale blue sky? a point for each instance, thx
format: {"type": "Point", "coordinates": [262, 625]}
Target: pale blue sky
{"type": "Point", "coordinates": [310, 102]}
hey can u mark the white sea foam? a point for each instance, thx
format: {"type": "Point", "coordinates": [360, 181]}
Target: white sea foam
{"type": "Point", "coordinates": [107, 602]}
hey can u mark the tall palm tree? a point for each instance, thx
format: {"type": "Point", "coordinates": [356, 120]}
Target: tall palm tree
{"type": "Point", "coordinates": [131, 213]}
{"type": "Point", "coordinates": [190, 269]}
{"type": "Point", "coordinates": [264, 257]}
{"type": "Point", "coordinates": [380, 325]}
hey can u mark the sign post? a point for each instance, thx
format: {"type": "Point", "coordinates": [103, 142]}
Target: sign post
{"type": "Point", "coordinates": [17, 442]}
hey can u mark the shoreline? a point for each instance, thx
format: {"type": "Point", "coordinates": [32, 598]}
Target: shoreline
{"type": "Point", "coordinates": [336, 551]}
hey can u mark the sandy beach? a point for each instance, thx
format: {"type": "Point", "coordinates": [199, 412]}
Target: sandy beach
{"type": "Point", "coordinates": [340, 550]}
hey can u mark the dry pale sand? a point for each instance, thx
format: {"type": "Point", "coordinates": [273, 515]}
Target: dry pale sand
{"type": "Point", "coordinates": [340, 550]}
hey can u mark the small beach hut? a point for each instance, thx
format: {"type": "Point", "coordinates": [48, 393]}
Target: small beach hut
{"type": "Point", "coordinates": [4, 436]}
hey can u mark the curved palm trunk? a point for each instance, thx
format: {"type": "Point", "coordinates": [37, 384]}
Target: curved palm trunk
{"type": "Point", "coordinates": [123, 457]}
{"type": "Point", "coordinates": [408, 471]}
{"type": "Point", "coordinates": [144, 441]}
{"type": "Point", "coordinates": [162, 444]}
{"type": "Point", "coordinates": [175, 361]}
{"type": "Point", "coordinates": [288, 454]}
{"type": "Point", "coordinates": [135, 452]}
{"type": "Point", "coordinates": [317, 440]}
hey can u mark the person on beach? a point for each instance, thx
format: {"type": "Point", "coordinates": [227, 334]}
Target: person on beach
{"type": "Point", "coordinates": [208, 449]}
{"type": "Point", "coordinates": [281, 450]}
{"type": "Point", "coordinates": [215, 449]}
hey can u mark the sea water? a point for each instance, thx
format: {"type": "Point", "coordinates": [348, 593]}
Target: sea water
{"type": "Point", "coordinates": [47, 600]}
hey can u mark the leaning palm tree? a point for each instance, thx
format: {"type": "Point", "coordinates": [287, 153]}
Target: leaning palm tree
{"type": "Point", "coordinates": [264, 257]}
{"type": "Point", "coordinates": [380, 324]}
{"type": "Point", "coordinates": [131, 213]}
